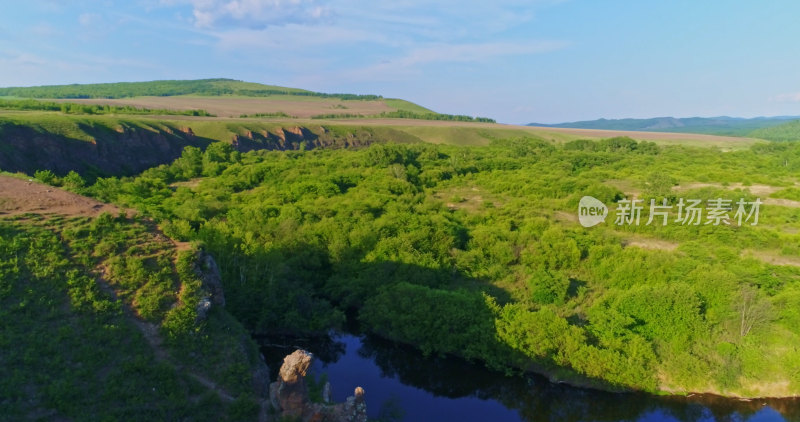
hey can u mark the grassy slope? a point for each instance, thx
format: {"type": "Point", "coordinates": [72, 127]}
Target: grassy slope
{"type": "Point", "coordinates": [122, 347]}
{"type": "Point", "coordinates": [404, 105]}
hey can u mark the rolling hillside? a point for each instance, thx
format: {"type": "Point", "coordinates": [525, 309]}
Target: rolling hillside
{"type": "Point", "coordinates": [223, 97]}
{"type": "Point", "coordinates": [789, 131]}
{"type": "Point", "coordinates": [122, 129]}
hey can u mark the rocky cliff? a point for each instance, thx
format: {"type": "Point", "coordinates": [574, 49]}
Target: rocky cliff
{"type": "Point", "coordinates": [91, 150]}
{"type": "Point", "coordinates": [100, 148]}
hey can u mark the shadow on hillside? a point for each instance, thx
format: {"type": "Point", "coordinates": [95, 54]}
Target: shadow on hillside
{"type": "Point", "coordinates": [91, 148]}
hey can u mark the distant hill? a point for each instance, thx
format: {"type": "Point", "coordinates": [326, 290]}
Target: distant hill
{"type": "Point", "coordinates": [168, 88]}
{"type": "Point", "coordinates": [215, 97]}
{"type": "Point", "coordinates": [732, 126]}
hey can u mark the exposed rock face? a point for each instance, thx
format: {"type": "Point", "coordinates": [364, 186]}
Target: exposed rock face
{"type": "Point", "coordinates": [123, 151]}
{"type": "Point", "coordinates": [208, 272]}
{"type": "Point", "coordinates": [212, 281]}
{"type": "Point", "coordinates": [289, 395]}
{"type": "Point", "coordinates": [295, 138]}
{"type": "Point", "coordinates": [131, 149]}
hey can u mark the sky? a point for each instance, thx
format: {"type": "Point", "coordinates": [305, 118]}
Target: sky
{"type": "Point", "coordinates": [544, 61]}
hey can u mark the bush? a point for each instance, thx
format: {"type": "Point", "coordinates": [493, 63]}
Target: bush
{"type": "Point", "coordinates": [47, 177]}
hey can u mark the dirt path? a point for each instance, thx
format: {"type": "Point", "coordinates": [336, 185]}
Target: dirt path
{"type": "Point", "coordinates": [153, 338]}
{"type": "Point", "coordinates": [20, 196]}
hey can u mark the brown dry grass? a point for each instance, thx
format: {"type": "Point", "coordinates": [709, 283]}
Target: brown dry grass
{"type": "Point", "coordinates": [725, 143]}
{"type": "Point", "coordinates": [661, 137]}
{"type": "Point", "coordinates": [236, 106]}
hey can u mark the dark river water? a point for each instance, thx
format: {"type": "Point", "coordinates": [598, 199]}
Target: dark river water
{"type": "Point", "coordinates": [403, 385]}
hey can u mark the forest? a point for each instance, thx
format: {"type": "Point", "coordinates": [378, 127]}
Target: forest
{"type": "Point", "coordinates": [476, 252]}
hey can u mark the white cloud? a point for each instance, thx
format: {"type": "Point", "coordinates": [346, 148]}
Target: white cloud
{"type": "Point", "coordinates": [414, 60]}
{"type": "Point", "coordinates": [18, 68]}
{"type": "Point", "coordinates": [45, 30]}
{"type": "Point", "coordinates": [254, 14]}
{"type": "Point", "coordinates": [21, 66]}
{"type": "Point", "coordinates": [292, 37]}
{"type": "Point", "coordinates": [89, 19]}
{"type": "Point", "coordinates": [793, 97]}
{"type": "Point", "coordinates": [473, 52]}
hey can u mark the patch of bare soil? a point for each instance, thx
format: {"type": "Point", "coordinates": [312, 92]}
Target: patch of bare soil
{"type": "Point", "coordinates": [772, 257]}
{"type": "Point", "coordinates": [758, 190]}
{"type": "Point", "coordinates": [191, 184]}
{"type": "Point", "coordinates": [20, 196]}
{"type": "Point", "coordinates": [470, 199]}
{"type": "Point", "coordinates": [782, 202]}
{"type": "Point", "coordinates": [762, 191]}
{"type": "Point", "coordinates": [648, 243]}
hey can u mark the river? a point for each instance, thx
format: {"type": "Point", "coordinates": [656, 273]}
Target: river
{"type": "Point", "coordinates": [403, 385]}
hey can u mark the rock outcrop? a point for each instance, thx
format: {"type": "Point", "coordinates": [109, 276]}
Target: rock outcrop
{"type": "Point", "coordinates": [207, 271]}
{"type": "Point", "coordinates": [212, 281]}
{"type": "Point", "coordinates": [289, 395]}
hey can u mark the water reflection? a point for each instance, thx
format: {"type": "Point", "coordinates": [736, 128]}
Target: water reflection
{"type": "Point", "coordinates": [401, 384]}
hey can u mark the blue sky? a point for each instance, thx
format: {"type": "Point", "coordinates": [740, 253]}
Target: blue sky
{"type": "Point", "coordinates": [517, 61]}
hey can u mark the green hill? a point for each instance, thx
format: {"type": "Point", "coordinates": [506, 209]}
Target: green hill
{"type": "Point", "coordinates": [789, 131]}
{"type": "Point", "coordinates": [166, 88]}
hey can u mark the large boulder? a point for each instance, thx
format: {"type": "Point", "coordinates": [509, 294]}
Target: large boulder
{"type": "Point", "coordinates": [289, 395]}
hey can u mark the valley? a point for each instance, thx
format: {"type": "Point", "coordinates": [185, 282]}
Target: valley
{"type": "Point", "coordinates": [454, 240]}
